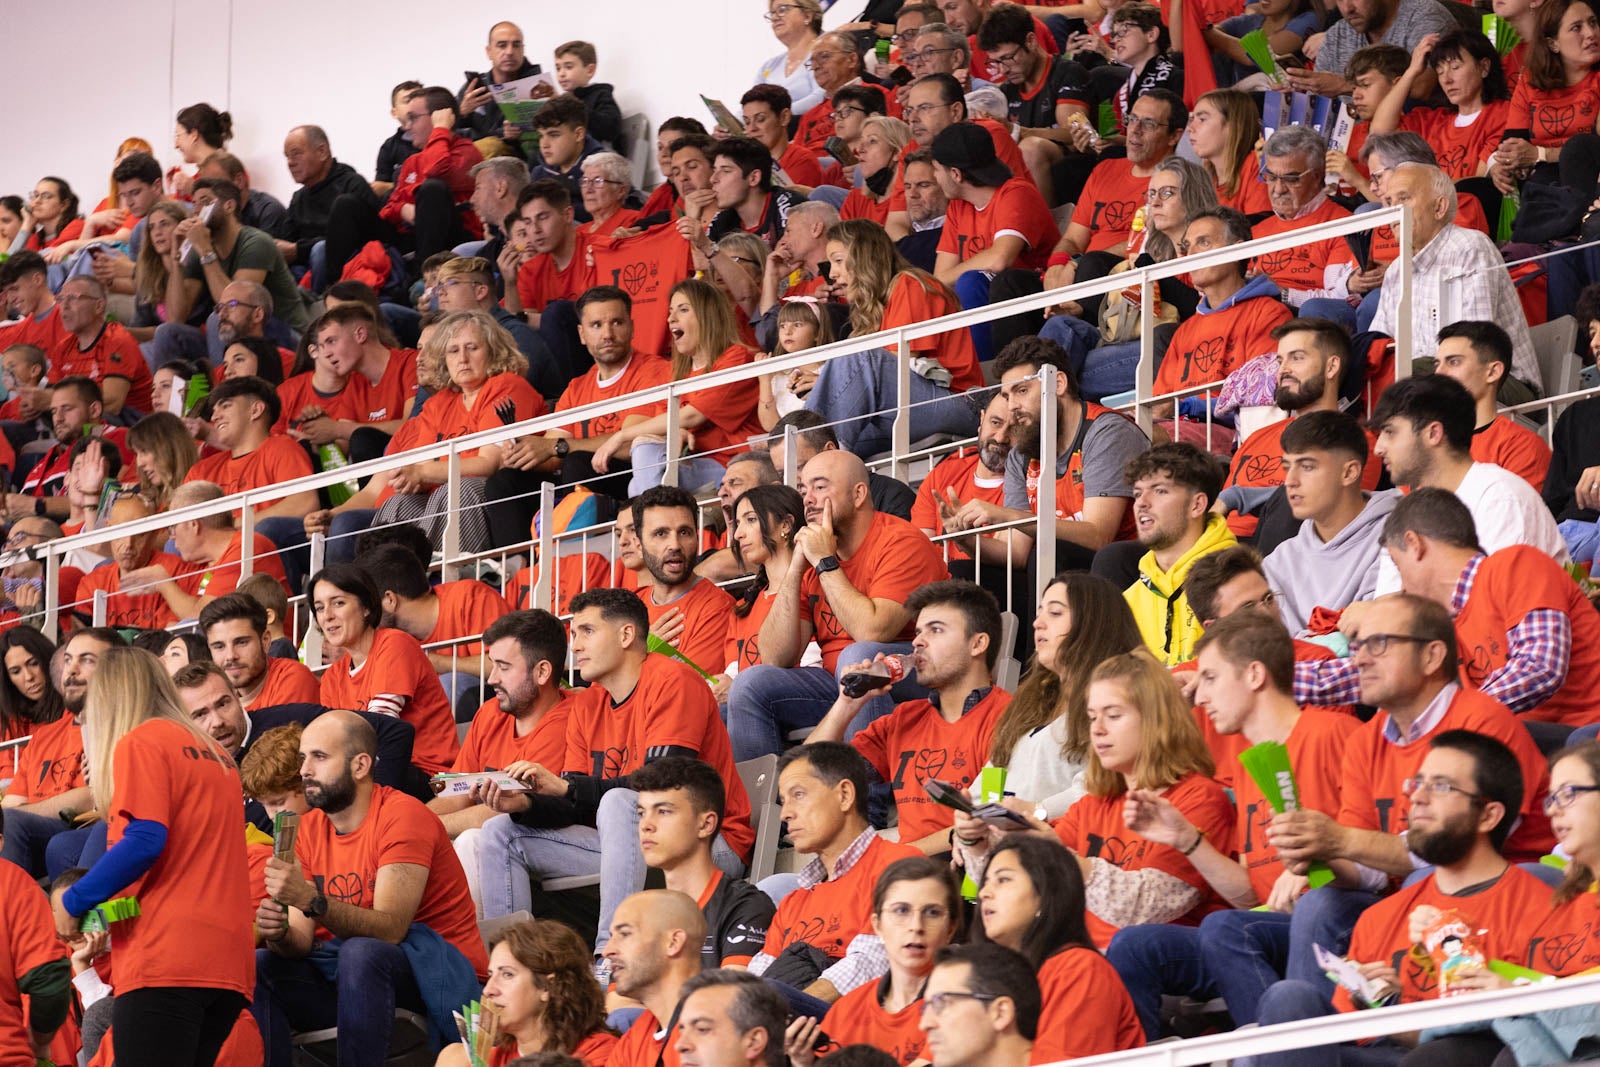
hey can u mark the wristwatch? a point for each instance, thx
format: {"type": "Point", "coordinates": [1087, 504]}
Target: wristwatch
{"type": "Point", "coordinates": [563, 446]}
{"type": "Point", "coordinates": [317, 908]}
{"type": "Point", "coordinates": [208, 259]}
{"type": "Point", "coordinates": [826, 564]}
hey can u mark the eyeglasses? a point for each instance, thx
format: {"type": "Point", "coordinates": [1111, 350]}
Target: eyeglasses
{"type": "Point", "coordinates": [1437, 786]}
{"type": "Point", "coordinates": [780, 11]}
{"type": "Point", "coordinates": [19, 538]}
{"type": "Point", "coordinates": [43, 196]}
{"type": "Point", "coordinates": [904, 913]}
{"type": "Point", "coordinates": [1378, 644]}
{"type": "Point", "coordinates": [595, 183]}
{"type": "Point", "coordinates": [1161, 195]}
{"type": "Point", "coordinates": [849, 109]}
{"type": "Point", "coordinates": [232, 304]}
{"type": "Point", "coordinates": [903, 39]}
{"type": "Point", "coordinates": [1010, 61]}
{"type": "Point", "coordinates": [927, 54]}
{"type": "Point", "coordinates": [811, 64]}
{"type": "Point", "coordinates": [938, 1002]}
{"type": "Point", "coordinates": [1120, 31]}
{"type": "Point", "coordinates": [746, 260]}
{"type": "Point", "coordinates": [1265, 600]}
{"type": "Point", "coordinates": [1282, 179]}
{"type": "Point", "coordinates": [1147, 125]}
{"type": "Point", "coordinates": [1563, 798]}
{"type": "Point", "coordinates": [76, 298]}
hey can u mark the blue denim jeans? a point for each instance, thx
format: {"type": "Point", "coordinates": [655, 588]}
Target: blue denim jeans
{"type": "Point", "coordinates": [1246, 953]}
{"type": "Point", "coordinates": [1323, 917]}
{"type": "Point", "coordinates": [1293, 1001]}
{"type": "Point", "coordinates": [510, 856]}
{"type": "Point", "coordinates": [26, 836]}
{"type": "Point", "coordinates": [1159, 960]}
{"type": "Point", "coordinates": [293, 997]}
{"type": "Point", "coordinates": [858, 394]}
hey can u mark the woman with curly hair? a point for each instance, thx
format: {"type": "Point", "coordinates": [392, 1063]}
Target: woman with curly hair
{"type": "Point", "coordinates": [475, 373]}
{"type": "Point", "coordinates": [857, 393]}
{"type": "Point", "coordinates": [541, 977]}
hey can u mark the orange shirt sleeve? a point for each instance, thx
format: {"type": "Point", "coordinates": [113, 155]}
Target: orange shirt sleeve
{"type": "Point", "coordinates": [1086, 1010]}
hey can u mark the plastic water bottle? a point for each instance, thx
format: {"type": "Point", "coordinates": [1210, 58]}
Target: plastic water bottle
{"type": "Point", "coordinates": [879, 673]}
{"type": "Point", "coordinates": [333, 457]}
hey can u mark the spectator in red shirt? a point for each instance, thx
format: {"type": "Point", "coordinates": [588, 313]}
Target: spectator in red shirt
{"type": "Point", "coordinates": [803, 248]}
{"type": "Point", "coordinates": [53, 222]}
{"type": "Point", "coordinates": [74, 412]}
{"type": "Point", "coordinates": [977, 475]}
{"type": "Point", "coordinates": [974, 984]}
{"type": "Point", "coordinates": [1224, 129]}
{"type": "Point", "coordinates": [1478, 355]}
{"type": "Point", "coordinates": [835, 63]}
{"type": "Point", "coordinates": [767, 117]}
{"type": "Point", "coordinates": [729, 1019]}
{"type": "Point", "coordinates": [100, 350]}
{"type": "Point", "coordinates": [604, 189]}
{"type": "Point", "coordinates": [370, 888]}
{"type": "Point", "coordinates": [1315, 276]}
{"type": "Point", "coordinates": [553, 272]}
{"type": "Point", "coordinates": [666, 198]}
{"type": "Point", "coordinates": [687, 611]}
{"type": "Point", "coordinates": [424, 211]}
{"type": "Point", "coordinates": [25, 293]}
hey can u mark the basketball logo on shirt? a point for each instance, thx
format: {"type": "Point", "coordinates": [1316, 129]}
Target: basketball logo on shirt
{"type": "Point", "coordinates": [969, 245]}
{"type": "Point", "coordinates": [610, 763]}
{"type": "Point", "coordinates": [1113, 215]}
{"type": "Point", "coordinates": [57, 773]}
{"type": "Point", "coordinates": [925, 763]}
{"type": "Point", "coordinates": [1205, 357]}
{"type": "Point", "coordinates": [749, 652]}
{"type": "Point", "coordinates": [1454, 161]}
{"type": "Point", "coordinates": [1275, 262]}
{"type": "Point", "coordinates": [1557, 952]}
{"type": "Point", "coordinates": [347, 887]}
{"type": "Point", "coordinates": [1259, 468]}
{"type": "Point", "coordinates": [633, 276]}
{"type": "Point", "coordinates": [1553, 121]}
{"type": "Point", "coordinates": [1481, 659]}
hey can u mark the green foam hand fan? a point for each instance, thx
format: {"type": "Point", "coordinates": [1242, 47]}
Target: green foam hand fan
{"type": "Point", "coordinates": [1268, 766]}
{"type": "Point", "coordinates": [655, 644]}
{"type": "Point", "coordinates": [1501, 33]}
{"type": "Point", "coordinates": [1256, 46]}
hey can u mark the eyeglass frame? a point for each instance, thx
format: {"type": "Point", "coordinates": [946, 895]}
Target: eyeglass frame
{"type": "Point", "coordinates": [1294, 178]}
{"type": "Point", "coordinates": [596, 182]}
{"type": "Point", "coordinates": [811, 61]}
{"type": "Point", "coordinates": [1357, 644]}
{"type": "Point", "coordinates": [937, 1002]}
{"type": "Point", "coordinates": [780, 11]}
{"type": "Point", "coordinates": [918, 57]}
{"type": "Point", "coordinates": [1439, 787]}
{"type": "Point", "coordinates": [1571, 792]}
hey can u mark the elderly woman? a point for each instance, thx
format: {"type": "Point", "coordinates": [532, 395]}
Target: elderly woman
{"type": "Point", "coordinates": [1179, 190]}
{"type": "Point", "coordinates": [607, 177]}
{"type": "Point", "coordinates": [796, 24]}
{"type": "Point", "coordinates": [475, 373]}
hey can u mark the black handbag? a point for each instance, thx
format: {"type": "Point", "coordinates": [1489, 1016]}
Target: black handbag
{"type": "Point", "coordinates": [1548, 213]}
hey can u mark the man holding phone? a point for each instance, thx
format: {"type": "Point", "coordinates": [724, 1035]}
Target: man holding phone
{"type": "Point", "coordinates": [946, 737]}
{"type": "Point", "coordinates": [480, 115]}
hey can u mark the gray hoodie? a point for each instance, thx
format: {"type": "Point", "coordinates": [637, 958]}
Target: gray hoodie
{"type": "Point", "coordinates": [1307, 573]}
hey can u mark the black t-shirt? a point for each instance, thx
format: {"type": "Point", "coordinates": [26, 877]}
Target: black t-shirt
{"type": "Point", "coordinates": [774, 218]}
{"type": "Point", "coordinates": [1065, 81]}
{"type": "Point", "coordinates": [1160, 73]}
{"type": "Point", "coordinates": [737, 916]}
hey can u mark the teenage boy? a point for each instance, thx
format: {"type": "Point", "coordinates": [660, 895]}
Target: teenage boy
{"type": "Point", "coordinates": [564, 143]}
{"type": "Point", "coordinates": [1478, 355]}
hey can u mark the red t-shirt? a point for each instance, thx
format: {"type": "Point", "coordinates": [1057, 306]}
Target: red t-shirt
{"type": "Point", "coordinates": [27, 940]}
{"type": "Point", "coordinates": [288, 682]}
{"type": "Point", "coordinates": [540, 280]}
{"type": "Point", "coordinates": [1507, 915]}
{"type": "Point", "coordinates": [615, 221]}
{"type": "Point", "coordinates": [1509, 584]}
{"type": "Point", "coordinates": [858, 1018]}
{"type": "Point", "coordinates": [297, 393]}
{"type": "Point", "coordinates": [831, 914]}
{"type": "Point", "coordinates": [574, 574]}
{"type": "Point", "coordinates": [44, 332]}
{"type": "Point", "coordinates": [162, 775]}
{"type": "Point", "coordinates": [1015, 210]}
{"type": "Point", "coordinates": [1553, 117]}
{"type": "Point", "coordinates": [1093, 828]}
{"type": "Point", "coordinates": [1086, 1010]}
{"type": "Point", "coordinates": [859, 204]}
{"type": "Point", "coordinates": [969, 479]}
{"type": "Point", "coordinates": [1303, 266]}
{"type": "Point", "coordinates": [730, 410]}
{"type": "Point", "coordinates": [642, 372]}
{"type": "Point", "coordinates": [466, 608]}
{"type": "Point", "coordinates": [1568, 940]}
{"type": "Point", "coordinates": [706, 610]}
{"type": "Point", "coordinates": [1251, 197]}
{"type": "Point", "coordinates": [640, 1047]}
{"type": "Point", "coordinates": [1374, 768]}
{"type": "Point", "coordinates": [914, 743]}
{"type": "Point", "coordinates": [671, 706]}
{"type": "Point", "coordinates": [278, 459]}
{"type": "Point", "coordinates": [1110, 199]}
{"type": "Point", "coordinates": [894, 559]}
{"type": "Point", "coordinates": [391, 396]}
{"type": "Point", "coordinates": [221, 576]}
{"type": "Point", "coordinates": [1211, 346]}
{"type": "Point", "coordinates": [397, 829]}
{"type": "Point", "coordinates": [51, 763]}
{"type": "Point", "coordinates": [492, 743]}
{"type": "Point", "coordinates": [646, 267]}
{"type": "Point", "coordinates": [816, 125]}
{"type": "Point", "coordinates": [800, 165]}
{"type": "Point", "coordinates": [917, 298]}
{"type": "Point", "coordinates": [1461, 150]}
{"type": "Point", "coordinates": [743, 648]}
{"type": "Point", "coordinates": [114, 354]}
{"type": "Point", "coordinates": [445, 417]}
{"type": "Point", "coordinates": [1518, 449]}
{"type": "Point", "coordinates": [1005, 150]}
{"type": "Point", "coordinates": [146, 609]}
{"type": "Point", "coordinates": [47, 476]}
{"type": "Point", "coordinates": [397, 679]}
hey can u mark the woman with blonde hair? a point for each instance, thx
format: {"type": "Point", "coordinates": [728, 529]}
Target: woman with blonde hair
{"type": "Point", "coordinates": [883, 139]}
{"type": "Point", "coordinates": [541, 977]}
{"type": "Point", "coordinates": [163, 452]}
{"type": "Point", "coordinates": [858, 393]}
{"type": "Point", "coordinates": [737, 270]}
{"type": "Point", "coordinates": [475, 373]}
{"type": "Point", "coordinates": [1223, 130]}
{"type": "Point", "coordinates": [170, 794]}
{"type": "Point", "coordinates": [158, 274]}
{"type": "Point", "coordinates": [704, 327]}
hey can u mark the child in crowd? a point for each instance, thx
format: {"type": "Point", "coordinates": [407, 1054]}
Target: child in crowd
{"type": "Point", "coordinates": [575, 67]}
{"type": "Point", "coordinates": [802, 324]}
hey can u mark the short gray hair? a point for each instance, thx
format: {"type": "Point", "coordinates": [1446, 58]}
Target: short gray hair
{"type": "Point", "coordinates": [1403, 146]}
{"type": "Point", "coordinates": [508, 169]}
{"type": "Point", "coordinates": [610, 166]}
{"type": "Point", "coordinates": [316, 136]}
{"type": "Point", "coordinates": [816, 211]}
{"type": "Point", "coordinates": [1299, 141]}
{"type": "Point", "coordinates": [987, 101]}
{"type": "Point", "coordinates": [950, 37]}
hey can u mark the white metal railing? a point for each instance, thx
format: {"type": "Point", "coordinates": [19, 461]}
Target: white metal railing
{"type": "Point", "coordinates": [671, 393]}
{"type": "Point", "coordinates": [1356, 1025]}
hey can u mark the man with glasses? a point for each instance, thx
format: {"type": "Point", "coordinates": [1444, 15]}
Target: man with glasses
{"type": "Point", "coordinates": [741, 180]}
{"type": "Point", "coordinates": [981, 1008]}
{"type": "Point", "coordinates": [834, 63]}
{"type": "Point", "coordinates": [968, 17]}
{"type": "Point", "coordinates": [1464, 796]}
{"type": "Point", "coordinates": [939, 49]}
{"type": "Point", "coordinates": [100, 350]}
{"type": "Point", "coordinates": [933, 103]}
{"type": "Point", "coordinates": [1315, 275]}
{"type": "Point", "coordinates": [1048, 98]}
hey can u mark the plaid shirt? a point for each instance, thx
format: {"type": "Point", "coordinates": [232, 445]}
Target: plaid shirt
{"type": "Point", "coordinates": [1538, 653]}
{"type": "Point", "coordinates": [865, 959]}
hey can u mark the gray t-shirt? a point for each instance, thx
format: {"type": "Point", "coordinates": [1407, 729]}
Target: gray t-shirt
{"type": "Point", "coordinates": [254, 250]}
{"type": "Point", "coordinates": [1413, 21]}
{"type": "Point", "coordinates": [1107, 444]}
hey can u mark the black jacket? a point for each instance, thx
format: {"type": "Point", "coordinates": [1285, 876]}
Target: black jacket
{"type": "Point", "coordinates": [392, 155]}
{"type": "Point", "coordinates": [395, 737]}
{"type": "Point", "coordinates": [487, 121]}
{"type": "Point", "coordinates": [311, 205]}
{"type": "Point", "coordinates": [605, 117]}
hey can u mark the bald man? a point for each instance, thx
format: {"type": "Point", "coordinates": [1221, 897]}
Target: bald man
{"type": "Point", "coordinates": [853, 569]}
{"type": "Point", "coordinates": [508, 62]}
{"type": "Point", "coordinates": [370, 862]}
{"type": "Point", "coordinates": [654, 949]}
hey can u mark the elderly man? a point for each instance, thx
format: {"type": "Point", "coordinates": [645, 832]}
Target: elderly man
{"type": "Point", "coordinates": [940, 49]}
{"type": "Point", "coordinates": [803, 247]}
{"type": "Point", "coordinates": [322, 180]}
{"type": "Point", "coordinates": [1317, 271]}
{"type": "Point", "coordinates": [1468, 263]}
{"type": "Point", "coordinates": [835, 63]}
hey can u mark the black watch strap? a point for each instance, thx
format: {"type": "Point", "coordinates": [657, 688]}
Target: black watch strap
{"type": "Point", "coordinates": [826, 564]}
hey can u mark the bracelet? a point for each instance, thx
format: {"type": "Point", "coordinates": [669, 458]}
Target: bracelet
{"type": "Point", "coordinates": [1199, 836]}
{"type": "Point", "coordinates": [1059, 259]}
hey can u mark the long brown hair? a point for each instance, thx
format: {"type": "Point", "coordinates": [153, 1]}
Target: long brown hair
{"type": "Point", "coordinates": [1543, 65]}
{"type": "Point", "coordinates": [562, 966]}
{"type": "Point", "coordinates": [150, 271]}
{"type": "Point", "coordinates": [163, 435]}
{"type": "Point", "coordinates": [1102, 626]}
{"type": "Point", "coordinates": [874, 262]}
{"type": "Point", "coordinates": [18, 715]}
{"type": "Point", "coordinates": [1244, 129]}
{"type": "Point", "coordinates": [1170, 745]}
{"type": "Point", "coordinates": [713, 313]}
{"type": "Point", "coordinates": [1579, 877]}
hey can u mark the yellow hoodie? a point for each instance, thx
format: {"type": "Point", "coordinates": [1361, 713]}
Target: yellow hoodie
{"type": "Point", "coordinates": [1160, 606]}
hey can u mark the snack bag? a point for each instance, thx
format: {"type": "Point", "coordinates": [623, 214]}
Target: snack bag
{"type": "Point", "coordinates": [1454, 947]}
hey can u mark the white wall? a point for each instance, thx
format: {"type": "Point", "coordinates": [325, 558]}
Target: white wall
{"type": "Point", "coordinates": [277, 64]}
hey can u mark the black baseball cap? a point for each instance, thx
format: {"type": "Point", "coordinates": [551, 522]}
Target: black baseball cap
{"type": "Point", "coordinates": [967, 147]}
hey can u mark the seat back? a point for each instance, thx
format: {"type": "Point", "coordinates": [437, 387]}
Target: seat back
{"type": "Point", "coordinates": [1007, 671]}
{"type": "Point", "coordinates": [760, 776]}
{"type": "Point", "coordinates": [636, 146]}
{"type": "Point", "coordinates": [491, 929]}
{"type": "Point", "coordinates": [1553, 345]}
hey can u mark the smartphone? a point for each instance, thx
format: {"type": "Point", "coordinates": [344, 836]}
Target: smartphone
{"type": "Point", "coordinates": [996, 815]}
{"type": "Point", "coordinates": [839, 150]}
{"type": "Point", "coordinates": [826, 268]}
{"type": "Point", "coordinates": [1522, 133]}
{"type": "Point", "coordinates": [471, 76]}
